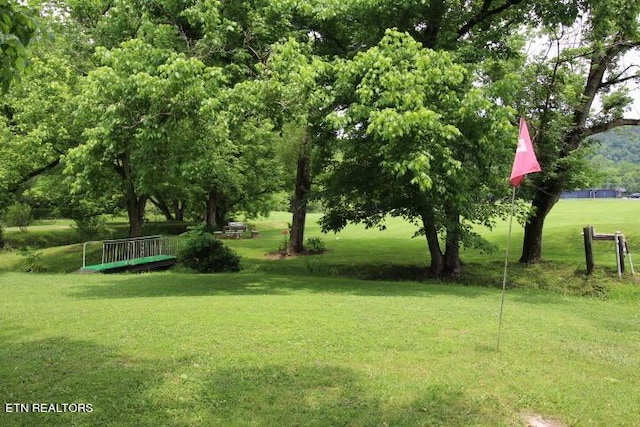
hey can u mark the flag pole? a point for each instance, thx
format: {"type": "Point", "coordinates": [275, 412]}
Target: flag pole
{"type": "Point", "coordinates": [524, 162]}
{"type": "Point", "coordinates": [506, 262]}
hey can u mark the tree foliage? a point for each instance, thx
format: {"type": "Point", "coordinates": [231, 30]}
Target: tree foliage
{"type": "Point", "coordinates": [137, 109]}
{"type": "Point", "coordinates": [416, 139]}
{"type": "Point", "coordinates": [36, 116]}
{"type": "Point", "coordinates": [17, 28]}
{"type": "Point", "coordinates": [559, 93]}
{"type": "Point", "coordinates": [187, 103]}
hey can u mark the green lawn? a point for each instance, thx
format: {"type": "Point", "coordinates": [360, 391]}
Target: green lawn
{"type": "Point", "coordinates": [303, 342]}
{"type": "Point", "coordinates": [249, 349]}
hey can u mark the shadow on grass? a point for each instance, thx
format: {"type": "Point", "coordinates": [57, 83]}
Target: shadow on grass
{"type": "Point", "coordinates": [60, 370]}
{"type": "Point", "coordinates": [174, 284]}
{"type": "Point", "coordinates": [540, 284]}
{"type": "Point", "coordinates": [555, 277]}
{"type": "Point", "coordinates": [321, 395]}
{"type": "Point", "coordinates": [125, 391]}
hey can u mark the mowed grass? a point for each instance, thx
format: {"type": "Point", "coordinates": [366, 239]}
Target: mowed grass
{"type": "Point", "coordinates": [294, 342]}
{"type": "Point", "coordinates": [253, 349]}
{"type": "Point", "coordinates": [395, 254]}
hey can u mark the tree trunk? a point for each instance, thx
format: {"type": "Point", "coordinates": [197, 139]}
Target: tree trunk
{"type": "Point", "coordinates": [437, 259]}
{"type": "Point", "coordinates": [453, 266]}
{"type": "Point", "coordinates": [216, 210]}
{"type": "Point", "coordinates": [211, 210]}
{"type": "Point", "coordinates": [135, 203]}
{"type": "Point", "coordinates": [164, 208]}
{"type": "Point", "coordinates": [300, 198]}
{"type": "Point", "coordinates": [221, 214]}
{"type": "Point", "coordinates": [178, 209]}
{"type": "Point", "coordinates": [544, 199]}
{"type": "Point", "coordinates": [135, 212]}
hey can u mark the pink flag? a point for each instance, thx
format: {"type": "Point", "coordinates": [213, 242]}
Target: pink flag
{"type": "Point", "coordinates": [525, 161]}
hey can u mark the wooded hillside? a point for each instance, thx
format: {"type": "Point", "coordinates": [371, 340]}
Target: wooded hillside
{"type": "Point", "coordinates": [617, 158]}
{"type": "Point", "coordinates": [620, 144]}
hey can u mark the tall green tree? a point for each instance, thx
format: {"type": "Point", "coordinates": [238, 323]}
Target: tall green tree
{"type": "Point", "coordinates": [560, 94]}
{"type": "Point", "coordinates": [299, 82]}
{"type": "Point", "coordinates": [233, 166]}
{"type": "Point", "coordinates": [234, 37]}
{"type": "Point", "coordinates": [415, 139]}
{"type": "Point", "coordinates": [135, 108]}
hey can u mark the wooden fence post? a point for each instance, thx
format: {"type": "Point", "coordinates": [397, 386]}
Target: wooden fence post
{"type": "Point", "coordinates": [620, 252]}
{"type": "Point", "coordinates": [587, 232]}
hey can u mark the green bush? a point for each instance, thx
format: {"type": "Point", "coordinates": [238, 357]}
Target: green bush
{"type": "Point", "coordinates": [90, 228]}
{"type": "Point", "coordinates": [315, 245]}
{"type": "Point", "coordinates": [206, 254]}
{"type": "Point", "coordinates": [19, 215]}
{"type": "Point", "coordinates": [1, 237]}
{"type": "Point", "coordinates": [33, 262]}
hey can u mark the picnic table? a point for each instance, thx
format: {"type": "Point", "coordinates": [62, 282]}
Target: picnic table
{"type": "Point", "coordinates": [234, 230]}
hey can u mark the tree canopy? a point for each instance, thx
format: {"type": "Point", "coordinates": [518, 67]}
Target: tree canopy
{"type": "Point", "coordinates": [416, 139]}
{"type": "Point", "coordinates": [17, 28]}
{"type": "Point", "coordinates": [560, 90]}
{"type": "Point", "coordinates": [390, 108]}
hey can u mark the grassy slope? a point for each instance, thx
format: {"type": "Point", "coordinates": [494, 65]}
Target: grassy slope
{"type": "Point", "coordinates": [357, 246]}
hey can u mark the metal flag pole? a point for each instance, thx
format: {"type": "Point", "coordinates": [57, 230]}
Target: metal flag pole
{"type": "Point", "coordinates": [524, 162]}
{"type": "Point", "coordinates": [506, 262]}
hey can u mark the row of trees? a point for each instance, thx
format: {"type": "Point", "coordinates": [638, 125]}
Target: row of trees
{"type": "Point", "coordinates": [377, 108]}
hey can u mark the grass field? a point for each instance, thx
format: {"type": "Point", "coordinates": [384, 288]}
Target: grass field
{"type": "Point", "coordinates": [295, 342]}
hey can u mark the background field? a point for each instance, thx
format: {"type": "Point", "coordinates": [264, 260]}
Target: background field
{"type": "Point", "coordinates": [296, 342]}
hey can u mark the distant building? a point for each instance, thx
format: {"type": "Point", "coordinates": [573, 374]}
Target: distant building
{"type": "Point", "coordinates": [594, 193]}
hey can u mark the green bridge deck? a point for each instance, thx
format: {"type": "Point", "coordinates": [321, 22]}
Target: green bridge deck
{"type": "Point", "coordinates": [137, 264]}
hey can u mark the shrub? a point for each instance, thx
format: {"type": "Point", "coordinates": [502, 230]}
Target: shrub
{"type": "Point", "coordinates": [1, 237]}
{"type": "Point", "coordinates": [90, 228]}
{"type": "Point", "coordinates": [315, 245]}
{"type": "Point", "coordinates": [33, 262]}
{"type": "Point", "coordinates": [204, 253]}
{"type": "Point", "coordinates": [19, 215]}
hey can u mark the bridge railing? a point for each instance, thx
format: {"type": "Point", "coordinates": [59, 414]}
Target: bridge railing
{"type": "Point", "coordinates": [132, 248]}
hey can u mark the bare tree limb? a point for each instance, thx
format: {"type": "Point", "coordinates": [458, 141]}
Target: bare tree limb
{"type": "Point", "coordinates": [617, 80]}
{"type": "Point", "coordinates": [602, 127]}
{"type": "Point", "coordinates": [485, 13]}
{"type": "Point", "coordinates": [36, 172]}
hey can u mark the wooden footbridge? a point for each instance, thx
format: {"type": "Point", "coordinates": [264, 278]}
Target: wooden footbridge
{"type": "Point", "coordinates": [129, 255]}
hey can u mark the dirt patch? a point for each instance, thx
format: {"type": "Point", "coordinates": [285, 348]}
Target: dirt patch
{"type": "Point", "coordinates": [280, 255]}
{"type": "Point", "coordinates": [537, 420]}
